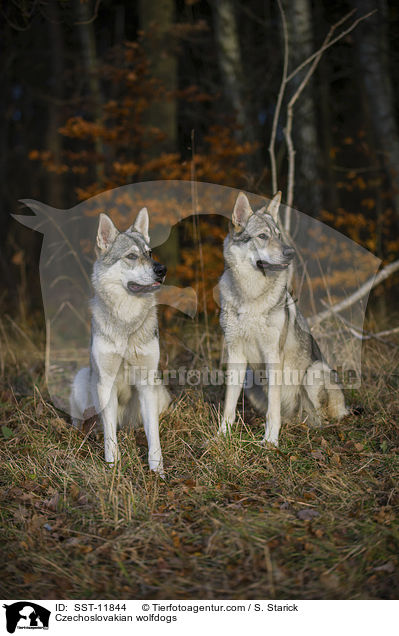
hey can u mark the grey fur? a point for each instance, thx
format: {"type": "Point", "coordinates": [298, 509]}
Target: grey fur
{"type": "Point", "coordinates": [264, 330]}
{"type": "Point", "coordinates": [124, 339]}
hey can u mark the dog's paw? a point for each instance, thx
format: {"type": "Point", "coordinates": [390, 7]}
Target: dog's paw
{"type": "Point", "coordinates": [156, 466]}
{"type": "Point", "coordinates": [111, 461]}
{"type": "Point", "coordinates": [159, 472]}
{"type": "Point", "coordinates": [270, 439]}
{"type": "Point", "coordinates": [224, 428]}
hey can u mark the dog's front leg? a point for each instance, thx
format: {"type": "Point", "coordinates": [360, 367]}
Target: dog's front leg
{"type": "Point", "coordinates": [109, 419]}
{"type": "Point", "coordinates": [273, 415]}
{"type": "Point", "coordinates": [149, 412]}
{"type": "Point", "coordinates": [236, 367]}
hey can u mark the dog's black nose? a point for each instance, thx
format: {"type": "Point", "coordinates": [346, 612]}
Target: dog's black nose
{"type": "Point", "coordinates": [288, 252]}
{"type": "Point", "coordinates": [159, 271]}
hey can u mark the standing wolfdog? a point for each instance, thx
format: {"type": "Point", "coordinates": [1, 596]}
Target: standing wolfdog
{"type": "Point", "coordinates": [124, 340]}
{"type": "Point", "coordinates": [264, 329]}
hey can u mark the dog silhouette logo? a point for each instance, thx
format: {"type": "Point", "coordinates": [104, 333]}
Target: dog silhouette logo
{"type": "Point", "coordinates": [26, 615]}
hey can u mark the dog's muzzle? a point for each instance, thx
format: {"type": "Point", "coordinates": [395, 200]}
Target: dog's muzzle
{"type": "Point", "coordinates": [288, 254]}
{"type": "Point", "coordinates": [159, 271]}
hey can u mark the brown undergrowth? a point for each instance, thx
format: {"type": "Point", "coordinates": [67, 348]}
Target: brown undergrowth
{"type": "Point", "coordinates": [316, 518]}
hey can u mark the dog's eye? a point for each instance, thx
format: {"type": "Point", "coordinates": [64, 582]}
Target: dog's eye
{"type": "Point", "coordinates": [149, 253]}
{"type": "Point", "coordinates": [263, 236]}
{"type": "Point", "coordinates": [132, 256]}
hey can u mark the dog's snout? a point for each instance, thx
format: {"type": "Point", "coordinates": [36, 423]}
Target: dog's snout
{"type": "Point", "coordinates": [159, 271]}
{"type": "Point", "coordinates": [288, 252]}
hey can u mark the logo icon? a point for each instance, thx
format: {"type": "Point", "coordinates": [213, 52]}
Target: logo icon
{"type": "Point", "coordinates": [26, 615]}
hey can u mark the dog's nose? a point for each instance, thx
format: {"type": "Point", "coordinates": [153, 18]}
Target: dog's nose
{"type": "Point", "coordinates": [288, 252]}
{"type": "Point", "coordinates": [159, 270]}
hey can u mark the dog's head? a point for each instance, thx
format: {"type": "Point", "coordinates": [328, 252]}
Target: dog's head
{"type": "Point", "coordinates": [125, 258]}
{"type": "Point", "coordinates": [256, 237]}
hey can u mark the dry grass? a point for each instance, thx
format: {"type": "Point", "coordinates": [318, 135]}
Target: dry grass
{"type": "Point", "coordinates": [315, 519]}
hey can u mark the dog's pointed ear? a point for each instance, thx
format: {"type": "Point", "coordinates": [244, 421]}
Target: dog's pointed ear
{"type": "Point", "coordinates": [142, 223]}
{"type": "Point", "coordinates": [241, 213]}
{"type": "Point", "coordinates": [274, 205]}
{"type": "Point", "coordinates": [106, 233]}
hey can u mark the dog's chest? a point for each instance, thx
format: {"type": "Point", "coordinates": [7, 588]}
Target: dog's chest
{"type": "Point", "coordinates": [256, 332]}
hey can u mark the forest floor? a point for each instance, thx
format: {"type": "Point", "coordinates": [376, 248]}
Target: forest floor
{"type": "Point", "coordinates": [315, 519]}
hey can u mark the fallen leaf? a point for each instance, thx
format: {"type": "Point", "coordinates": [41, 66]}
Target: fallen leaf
{"type": "Point", "coordinates": [175, 539]}
{"type": "Point", "coordinates": [74, 490]}
{"type": "Point", "coordinates": [82, 499]}
{"type": "Point", "coordinates": [307, 514]}
{"type": "Point", "coordinates": [15, 491]}
{"type": "Point", "coordinates": [73, 541]}
{"type": "Point", "coordinates": [330, 580]}
{"type": "Point", "coordinates": [21, 514]}
{"type": "Point", "coordinates": [58, 423]}
{"type": "Point", "coordinates": [310, 495]}
{"type": "Point", "coordinates": [7, 432]}
{"type": "Point", "coordinates": [386, 567]}
{"type": "Point", "coordinates": [52, 502]}
{"type": "Point", "coordinates": [336, 459]}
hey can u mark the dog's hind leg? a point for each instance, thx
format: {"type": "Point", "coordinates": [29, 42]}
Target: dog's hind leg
{"type": "Point", "coordinates": [164, 398]}
{"type": "Point", "coordinates": [79, 400]}
{"type": "Point", "coordinates": [324, 394]}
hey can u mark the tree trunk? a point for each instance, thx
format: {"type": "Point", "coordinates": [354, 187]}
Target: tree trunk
{"type": "Point", "coordinates": [54, 139]}
{"type": "Point", "coordinates": [300, 36]}
{"type": "Point", "coordinates": [331, 190]}
{"type": "Point", "coordinates": [231, 67]}
{"type": "Point", "coordinates": [90, 65]}
{"type": "Point", "coordinates": [157, 20]}
{"type": "Point", "coordinates": [371, 45]}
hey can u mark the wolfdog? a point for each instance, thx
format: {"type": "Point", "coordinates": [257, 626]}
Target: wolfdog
{"type": "Point", "coordinates": [124, 339]}
{"type": "Point", "coordinates": [265, 331]}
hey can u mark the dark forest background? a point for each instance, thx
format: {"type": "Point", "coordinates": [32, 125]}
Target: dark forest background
{"type": "Point", "coordinates": [99, 94]}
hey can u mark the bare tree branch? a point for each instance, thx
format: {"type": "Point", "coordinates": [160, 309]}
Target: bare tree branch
{"type": "Point", "coordinates": [280, 96]}
{"type": "Point", "coordinates": [94, 16]}
{"type": "Point", "coordinates": [369, 335]}
{"type": "Point", "coordinates": [334, 41]}
{"type": "Point", "coordinates": [315, 58]}
{"type": "Point", "coordinates": [372, 282]}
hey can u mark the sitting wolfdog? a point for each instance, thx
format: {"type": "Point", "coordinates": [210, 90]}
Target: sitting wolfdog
{"type": "Point", "coordinates": [124, 340]}
{"type": "Point", "coordinates": [264, 330]}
